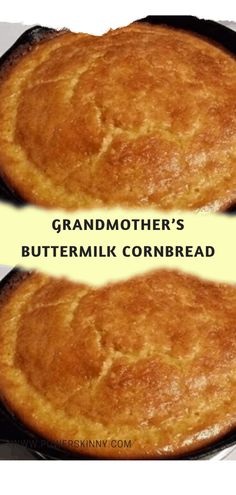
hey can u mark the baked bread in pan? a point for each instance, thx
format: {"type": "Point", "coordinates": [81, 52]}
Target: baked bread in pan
{"type": "Point", "coordinates": [144, 115]}
{"type": "Point", "coordinates": [150, 361]}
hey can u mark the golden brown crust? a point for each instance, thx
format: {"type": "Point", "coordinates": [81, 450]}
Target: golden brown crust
{"type": "Point", "coordinates": [151, 360]}
{"type": "Point", "coordinates": [141, 116]}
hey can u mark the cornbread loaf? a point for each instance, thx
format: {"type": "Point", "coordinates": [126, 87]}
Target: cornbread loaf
{"type": "Point", "coordinates": [142, 116]}
{"type": "Point", "coordinates": [150, 361]}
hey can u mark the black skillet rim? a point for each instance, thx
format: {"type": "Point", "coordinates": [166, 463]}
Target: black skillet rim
{"type": "Point", "coordinates": [46, 450]}
{"type": "Point", "coordinates": [212, 30]}
{"type": "Point", "coordinates": [207, 28]}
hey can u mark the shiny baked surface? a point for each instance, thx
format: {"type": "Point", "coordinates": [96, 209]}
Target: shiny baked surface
{"type": "Point", "coordinates": [151, 360]}
{"type": "Point", "coordinates": [141, 116]}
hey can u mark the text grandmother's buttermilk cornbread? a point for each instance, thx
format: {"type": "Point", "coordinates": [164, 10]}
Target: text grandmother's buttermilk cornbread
{"type": "Point", "coordinates": [151, 361]}
{"type": "Point", "coordinates": [144, 115]}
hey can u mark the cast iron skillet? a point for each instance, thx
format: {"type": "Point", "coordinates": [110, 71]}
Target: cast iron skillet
{"type": "Point", "coordinates": [210, 29]}
{"type": "Point", "coordinates": [13, 430]}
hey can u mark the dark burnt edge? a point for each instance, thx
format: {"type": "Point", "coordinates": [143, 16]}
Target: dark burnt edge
{"type": "Point", "coordinates": [53, 452]}
{"type": "Point", "coordinates": [19, 431]}
{"type": "Point", "coordinates": [25, 42]}
{"type": "Point", "coordinates": [10, 281]}
{"type": "Point", "coordinates": [209, 29]}
{"type": "Point", "coordinates": [212, 30]}
{"type": "Point", "coordinates": [23, 433]}
{"type": "Point", "coordinates": [22, 45]}
{"type": "Point", "coordinates": [8, 195]}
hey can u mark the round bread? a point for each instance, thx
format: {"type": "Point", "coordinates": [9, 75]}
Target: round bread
{"type": "Point", "coordinates": [141, 116]}
{"type": "Point", "coordinates": [149, 362]}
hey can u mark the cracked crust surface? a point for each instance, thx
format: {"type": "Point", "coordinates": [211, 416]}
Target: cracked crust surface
{"type": "Point", "coordinates": [142, 116]}
{"type": "Point", "coordinates": [151, 360]}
